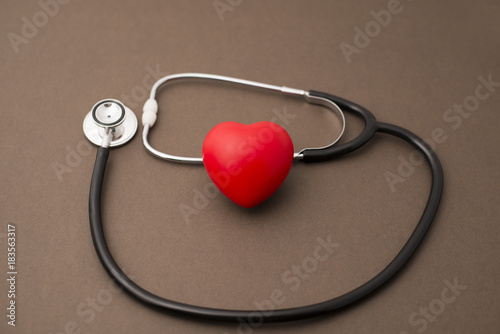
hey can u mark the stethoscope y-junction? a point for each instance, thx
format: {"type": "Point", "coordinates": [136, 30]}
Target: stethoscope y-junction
{"type": "Point", "coordinates": [247, 176]}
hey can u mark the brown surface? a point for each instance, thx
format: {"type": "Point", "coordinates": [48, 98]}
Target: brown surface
{"type": "Point", "coordinates": [427, 59]}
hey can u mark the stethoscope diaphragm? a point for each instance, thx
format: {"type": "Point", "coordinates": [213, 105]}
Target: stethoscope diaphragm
{"type": "Point", "coordinates": [111, 118]}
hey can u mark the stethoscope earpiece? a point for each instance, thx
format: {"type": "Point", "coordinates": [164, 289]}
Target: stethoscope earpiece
{"type": "Point", "coordinates": [110, 123]}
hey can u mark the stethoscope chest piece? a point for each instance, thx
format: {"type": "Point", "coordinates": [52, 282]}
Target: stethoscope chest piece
{"type": "Point", "coordinates": [113, 116]}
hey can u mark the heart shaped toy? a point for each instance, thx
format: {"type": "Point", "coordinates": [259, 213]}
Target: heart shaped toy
{"type": "Point", "coordinates": [248, 163]}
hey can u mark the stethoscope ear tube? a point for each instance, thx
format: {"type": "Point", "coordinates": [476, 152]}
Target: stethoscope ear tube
{"type": "Point", "coordinates": [371, 126]}
{"type": "Point", "coordinates": [331, 152]}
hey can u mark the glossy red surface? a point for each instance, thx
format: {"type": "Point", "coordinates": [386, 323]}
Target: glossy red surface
{"type": "Point", "coordinates": [248, 163]}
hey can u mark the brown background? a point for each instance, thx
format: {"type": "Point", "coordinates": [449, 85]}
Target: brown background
{"type": "Point", "coordinates": [428, 58]}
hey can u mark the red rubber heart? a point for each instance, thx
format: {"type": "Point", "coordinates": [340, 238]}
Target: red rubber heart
{"type": "Point", "coordinates": [248, 163]}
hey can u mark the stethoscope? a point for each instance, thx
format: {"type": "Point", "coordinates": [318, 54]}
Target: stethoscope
{"type": "Point", "coordinates": [110, 124]}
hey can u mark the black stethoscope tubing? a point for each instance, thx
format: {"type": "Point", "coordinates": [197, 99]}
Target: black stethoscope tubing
{"type": "Point", "coordinates": [296, 313]}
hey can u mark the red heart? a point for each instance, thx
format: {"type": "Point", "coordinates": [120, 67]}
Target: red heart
{"type": "Point", "coordinates": [248, 163]}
